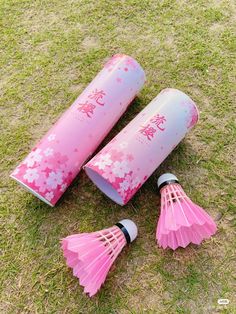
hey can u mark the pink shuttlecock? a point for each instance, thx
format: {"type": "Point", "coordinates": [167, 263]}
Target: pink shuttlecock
{"type": "Point", "coordinates": [181, 221]}
{"type": "Point", "coordinates": [91, 255]}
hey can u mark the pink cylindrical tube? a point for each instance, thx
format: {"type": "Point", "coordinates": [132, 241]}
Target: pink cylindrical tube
{"type": "Point", "coordinates": [125, 163]}
{"type": "Point", "coordinates": [55, 161]}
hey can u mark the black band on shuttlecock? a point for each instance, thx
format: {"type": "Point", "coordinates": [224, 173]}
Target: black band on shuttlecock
{"type": "Point", "coordinates": [124, 230]}
{"type": "Point", "coordinates": [167, 182]}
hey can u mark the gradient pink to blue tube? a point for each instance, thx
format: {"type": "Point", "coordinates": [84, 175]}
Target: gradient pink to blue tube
{"type": "Point", "coordinates": [123, 165]}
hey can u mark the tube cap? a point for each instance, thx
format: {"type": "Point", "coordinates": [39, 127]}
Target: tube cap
{"type": "Point", "coordinates": [129, 228]}
{"type": "Point", "coordinates": [166, 178]}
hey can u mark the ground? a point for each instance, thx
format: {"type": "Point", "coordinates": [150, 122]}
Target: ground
{"type": "Point", "coordinates": [50, 51]}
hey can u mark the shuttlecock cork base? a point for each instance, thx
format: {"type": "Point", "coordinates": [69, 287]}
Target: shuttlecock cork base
{"type": "Point", "coordinates": [91, 255]}
{"type": "Point", "coordinates": [181, 221]}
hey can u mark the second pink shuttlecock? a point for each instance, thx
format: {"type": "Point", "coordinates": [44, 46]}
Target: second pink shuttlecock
{"type": "Point", "coordinates": [181, 221]}
{"type": "Point", "coordinates": [91, 255]}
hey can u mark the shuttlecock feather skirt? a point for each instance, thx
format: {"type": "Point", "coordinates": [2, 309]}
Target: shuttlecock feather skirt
{"type": "Point", "coordinates": [91, 255]}
{"type": "Point", "coordinates": [181, 221]}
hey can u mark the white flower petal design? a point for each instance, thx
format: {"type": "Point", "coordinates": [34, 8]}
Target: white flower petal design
{"type": "Point", "coordinates": [120, 168]}
{"type": "Point", "coordinates": [33, 157]}
{"type": "Point", "coordinates": [124, 185]}
{"type": "Point", "coordinates": [49, 196]}
{"type": "Point", "coordinates": [31, 175]}
{"type": "Point", "coordinates": [54, 179]}
{"type": "Point", "coordinates": [103, 161]}
{"type": "Point", "coordinates": [63, 187]}
{"type": "Point", "coordinates": [48, 152]}
{"type": "Point", "coordinates": [135, 182]}
{"type": "Point", "coordinates": [51, 137]}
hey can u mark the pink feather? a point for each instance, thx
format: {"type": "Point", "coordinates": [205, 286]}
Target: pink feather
{"type": "Point", "coordinates": [91, 255]}
{"type": "Point", "coordinates": [181, 221]}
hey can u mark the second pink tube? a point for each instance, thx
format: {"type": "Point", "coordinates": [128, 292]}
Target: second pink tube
{"type": "Point", "coordinates": [123, 165]}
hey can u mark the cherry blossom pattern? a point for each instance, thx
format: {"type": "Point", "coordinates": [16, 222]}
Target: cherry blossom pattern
{"type": "Point", "coordinates": [118, 173]}
{"type": "Point", "coordinates": [135, 182]}
{"type": "Point", "coordinates": [113, 61]}
{"type": "Point", "coordinates": [128, 61]}
{"type": "Point", "coordinates": [117, 155]}
{"type": "Point", "coordinates": [41, 182]}
{"type": "Point", "coordinates": [49, 196]}
{"type": "Point", "coordinates": [49, 176]}
{"type": "Point", "coordinates": [192, 113]}
{"type": "Point", "coordinates": [31, 175]}
{"type": "Point", "coordinates": [48, 170]}
{"type": "Point", "coordinates": [54, 179]}
{"type": "Point", "coordinates": [34, 157]}
{"type": "Point", "coordinates": [51, 137]}
{"type": "Point", "coordinates": [108, 174]}
{"type": "Point", "coordinates": [103, 161]}
{"type": "Point", "coordinates": [120, 168]}
{"type": "Point", "coordinates": [63, 187]}
{"type": "Point", "coordinates": [193, 116]}
{"type": "Point", "coordinates": [126, 184]}
{"type": "Point", "coordinates": [48, 152]}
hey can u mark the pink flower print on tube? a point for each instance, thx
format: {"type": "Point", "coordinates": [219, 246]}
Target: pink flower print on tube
{"type": "Point", "coordinates": [142, 145]}
{"type": "Point", "coordinates": [55, 161]}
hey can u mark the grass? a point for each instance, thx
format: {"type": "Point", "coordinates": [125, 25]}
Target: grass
{"type": "Point", "coordinates": [50, 51]}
